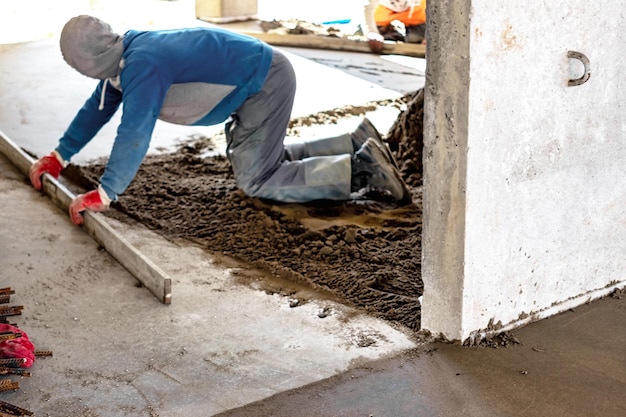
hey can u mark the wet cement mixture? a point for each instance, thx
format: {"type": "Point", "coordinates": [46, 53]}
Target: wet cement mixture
{"type": "Point", "coordinates": [365, 252]}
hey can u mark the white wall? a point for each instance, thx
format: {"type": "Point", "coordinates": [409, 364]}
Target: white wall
{"type": "Point", "coordinates": [525, 194]}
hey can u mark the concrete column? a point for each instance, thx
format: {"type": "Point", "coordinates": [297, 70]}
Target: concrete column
{"type": "Point", "coordinates": [525, 204]}
{"type": "Point", "coordinates": [445, 166]}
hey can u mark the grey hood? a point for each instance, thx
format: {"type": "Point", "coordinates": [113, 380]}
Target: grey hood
{"type": "Point", "coordinates": [90, 46]}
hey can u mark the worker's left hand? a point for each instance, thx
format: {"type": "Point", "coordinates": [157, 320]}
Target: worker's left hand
{"type": "Point", "coordinates": [376, 42]}
{"type": "Point", "coordinates": [95, 200]}
{"type": "Point", "coordinates": [18, 348]}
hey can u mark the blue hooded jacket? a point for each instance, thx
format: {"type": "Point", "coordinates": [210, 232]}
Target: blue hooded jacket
{"type": "Point", "coordinates": [195, 76]}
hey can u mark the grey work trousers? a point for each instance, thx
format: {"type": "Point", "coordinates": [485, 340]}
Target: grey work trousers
{"type": "Point", "coordinates": [264, 167]}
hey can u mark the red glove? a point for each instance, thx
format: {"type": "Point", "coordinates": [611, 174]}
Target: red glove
{"type": "Point", "coordinates": [50, 164]}
{"type": "Point", "coordinates": [95, 200]}
{"type": "Point", "coordinates": [18, 348]}
{"type": "Point", "coordinates": [376, 42]}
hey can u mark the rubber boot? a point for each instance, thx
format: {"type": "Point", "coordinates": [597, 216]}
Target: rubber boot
{"type": "Point", "coordinates": [319, 147]}
{"type": "Point", "coordinates": [372, 170]}
{"type": "Point", "coordinates": [365, 131]}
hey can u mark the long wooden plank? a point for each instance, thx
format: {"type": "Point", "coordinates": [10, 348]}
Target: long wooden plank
{"type": "Point", "coordinates": [339, 44]}
{"type": "Point", "coordinates": [140, 266]}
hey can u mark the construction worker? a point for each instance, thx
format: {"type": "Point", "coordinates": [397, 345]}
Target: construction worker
{"type": "Point", "coordinates": [206, 76]}
{"type": "Point", "coordinates": [396, 20]}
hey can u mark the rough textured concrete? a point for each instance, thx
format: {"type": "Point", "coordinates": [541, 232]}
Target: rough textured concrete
{"type": "Point", "coordinates": [521, 193]}
{"type": "Point", "coordinates": [445, 166]}
{"type": "Point", "coordinates": [550, 160]}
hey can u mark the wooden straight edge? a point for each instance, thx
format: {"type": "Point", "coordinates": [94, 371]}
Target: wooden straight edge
{"type": "Point", "coordinates": [340, 44]}
{"type": "Point", "coordinates": [95, 224]}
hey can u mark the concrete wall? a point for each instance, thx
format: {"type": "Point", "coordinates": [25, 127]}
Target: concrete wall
{"type": "Point", "coordinates": [525, 199]}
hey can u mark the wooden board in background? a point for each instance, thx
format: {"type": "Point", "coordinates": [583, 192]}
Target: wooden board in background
{"type": "Point", "coordinates": [338, 44]}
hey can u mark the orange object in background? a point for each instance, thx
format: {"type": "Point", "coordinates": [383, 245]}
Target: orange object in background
{"type": "Point", "coordinates": [413, 16]}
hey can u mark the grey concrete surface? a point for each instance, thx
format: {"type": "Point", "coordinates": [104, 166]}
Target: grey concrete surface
{"type": "Point", "coordinates": [521, 190]}
{"type": "Point", "coordinates": [226, 346]}
{"type": "Point", "coordinates": [222, 343]}
{"type": "Point", "coordinates": [569, 365]}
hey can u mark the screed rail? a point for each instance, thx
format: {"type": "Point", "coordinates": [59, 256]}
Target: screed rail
{"type": "Point", "coordinates": [95, 224]}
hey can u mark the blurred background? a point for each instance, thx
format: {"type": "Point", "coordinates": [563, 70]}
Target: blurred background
{"type": "Point", "coordinates": [24, 20]}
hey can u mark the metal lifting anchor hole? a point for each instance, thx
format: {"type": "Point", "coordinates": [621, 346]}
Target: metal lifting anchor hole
{"type": "Point", "coordinates": [585, 61]}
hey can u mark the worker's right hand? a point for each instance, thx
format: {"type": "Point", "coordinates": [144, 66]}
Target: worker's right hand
{"type": "Point", "coordinates": [19, 347]}
{"type": "Point", "coordinates": [50, 164]}
{"type": "Point", "coordinates": [376, 42]}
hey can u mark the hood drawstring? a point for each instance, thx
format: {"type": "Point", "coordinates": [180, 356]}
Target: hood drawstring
{"type": "Point", "coordinates": [104, 89]}
{"type": "Point", "coordinates": [115, 82]}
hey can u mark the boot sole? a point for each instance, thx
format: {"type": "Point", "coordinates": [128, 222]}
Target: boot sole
{"type": "Point", "coordinates": [380, 141]}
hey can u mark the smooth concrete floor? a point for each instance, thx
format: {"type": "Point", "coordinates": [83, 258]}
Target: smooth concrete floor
{"type": "Point", "coordinates": [569, 365]}
{"type": "Point", "coordinates": [228, 349]}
